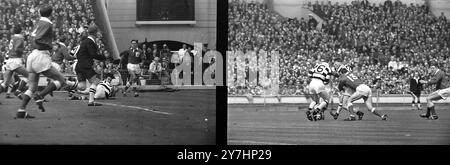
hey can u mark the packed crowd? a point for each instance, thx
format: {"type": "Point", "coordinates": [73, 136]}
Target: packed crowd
{"type": "Point", "coordinates": [389, 40]}
{"type": "Point", "coordinates": [70, 21]}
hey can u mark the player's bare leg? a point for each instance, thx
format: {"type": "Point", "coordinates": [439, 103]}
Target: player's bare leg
{"type": "Point", "coordinates": [33, 79]}
{"type": "Point", "coordinates": [323, 105]}
{"type": "Point", "coordinates": [134, 83]}
{"type": "Point", "coordinates": [7, 79]}
{"type": "Point", "coordinates": [58, 82]}
{"type": "Point", "coordinates": [414, 101]}
{"type": "Point", "coordinates": [343, 98]}
{"type": "Point", "coordinates": [431, 113]}
{"type": "Point", "coordinates": [368, 101]}
{"type": "Point", "coordinates": [351, 109]}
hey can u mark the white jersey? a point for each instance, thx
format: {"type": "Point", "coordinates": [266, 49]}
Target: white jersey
{"type": "Point", "coordinates": [321, 71]}
{"type": "Point", "coordinates": [104, 90]}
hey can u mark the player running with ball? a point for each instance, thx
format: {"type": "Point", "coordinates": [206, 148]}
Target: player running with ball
{"type": "Point", "coordinates": [362, 91]}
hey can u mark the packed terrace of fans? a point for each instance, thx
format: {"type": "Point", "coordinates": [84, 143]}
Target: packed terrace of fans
{"type": "Point", "coordinates": [391, 40]}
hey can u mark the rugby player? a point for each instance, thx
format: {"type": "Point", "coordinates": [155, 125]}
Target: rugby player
{"type": "Point", "coordinates": [320, 75]}
{"type": "Point", "coordinates": [14, 64]}
{"type": "Point", "coordinates": [39, 62]}
{"type": "Point", "coordinates": [362, 91]}
{"type": "Point", "coordinates": [441, 92]}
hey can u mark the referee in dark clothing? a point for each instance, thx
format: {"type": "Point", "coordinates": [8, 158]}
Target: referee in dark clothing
{"type": "Point", "coordinates": [415, 88]}
{"type": "Point", "coordinates": [84, 68]}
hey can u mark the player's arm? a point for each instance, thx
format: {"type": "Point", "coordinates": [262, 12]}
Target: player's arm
{"type": "Point", "coordinates": [341, 85]}
{"type": "Point", "coordinates": [433, 80]}
{"type": "Point", "coordinates": [142, 56]}
{"type": "Point", "coordinates": [66, 54]}
{"type": "Point", "coordinates": [92, 51]}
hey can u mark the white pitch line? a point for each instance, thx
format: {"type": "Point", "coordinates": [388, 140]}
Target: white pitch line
{"type": "Point", "coordinates": [135, 107]}
{"type": "Point", "coordinates": [256, 142]}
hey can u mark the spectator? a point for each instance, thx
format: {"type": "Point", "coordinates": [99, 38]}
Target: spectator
{"type": "Point", "coordinates": [155, 68]}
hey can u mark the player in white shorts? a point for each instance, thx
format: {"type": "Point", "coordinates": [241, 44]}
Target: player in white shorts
{"type": "Point", "coordinates": [39, 62]}
{"type": "Point", "coordinates": [362, 91]}
{"type": "Point", "coordinates": [320, 75]}
{"type": "Point", "coordinates": [14, 63]}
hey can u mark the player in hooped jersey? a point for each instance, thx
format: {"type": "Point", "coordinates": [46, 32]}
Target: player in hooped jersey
{"type": "Point", "coordinates": [362, 91]}
{"type": "Point", "coordinates": [320, 75]}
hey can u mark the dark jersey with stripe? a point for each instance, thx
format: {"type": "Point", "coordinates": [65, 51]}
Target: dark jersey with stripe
{"type": "Point", "coordinates": [350, 81]}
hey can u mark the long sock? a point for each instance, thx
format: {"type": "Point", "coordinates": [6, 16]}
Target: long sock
{"type": "Point", "coordinates": [428, 111]}
{"type": "Point", "coordinates": [22, 85]}
{"type": "Point", "coordinates": [50, 88]}
{"type": "Point", "coordinates": [26, 99]}
{"type": "Point", "coordinates": [433, 112]}
{"type": "Point", "coordinates": [375, 112]}
{"type": "Point", "coordinates": [92, 91]}
{"type": "Point", "coordinates": [15, 86]}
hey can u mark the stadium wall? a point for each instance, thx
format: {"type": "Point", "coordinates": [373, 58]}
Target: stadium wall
{"type": "Point", "coordinates": [439, 6]}
{"type": "Point", "coordinates": [122, 14]}
{"type": "Point", "coordinates": [302, 99]}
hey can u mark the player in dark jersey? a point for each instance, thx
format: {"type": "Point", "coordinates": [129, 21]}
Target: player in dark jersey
{"type": "Point", "coordinates": [136, 59]}
{"type": "Point", "coordinates": [441, 92]}
{"type": "Point", "coordinates": [39, 62]}
{"type": "Point", "coordinates": [343, 95]}
{"type": "Point", "coordinates": [362, 91]}
{"type": "Point", "coordinates": [14, 64]}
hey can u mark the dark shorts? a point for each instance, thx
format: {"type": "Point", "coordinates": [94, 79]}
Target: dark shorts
{"type": "Point", "coordinates": [85, 74]}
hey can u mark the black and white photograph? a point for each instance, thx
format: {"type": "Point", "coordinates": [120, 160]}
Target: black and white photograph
{"type": "Point", "coordinates": [109, 72]}
{"type": "Point", "coordinates": [338, 72]}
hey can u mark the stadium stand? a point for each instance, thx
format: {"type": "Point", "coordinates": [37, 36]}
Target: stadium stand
{"type": "Point", "coordinates": [390, 40]}
{"type": "Point", "coordinates": [70, 17]}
